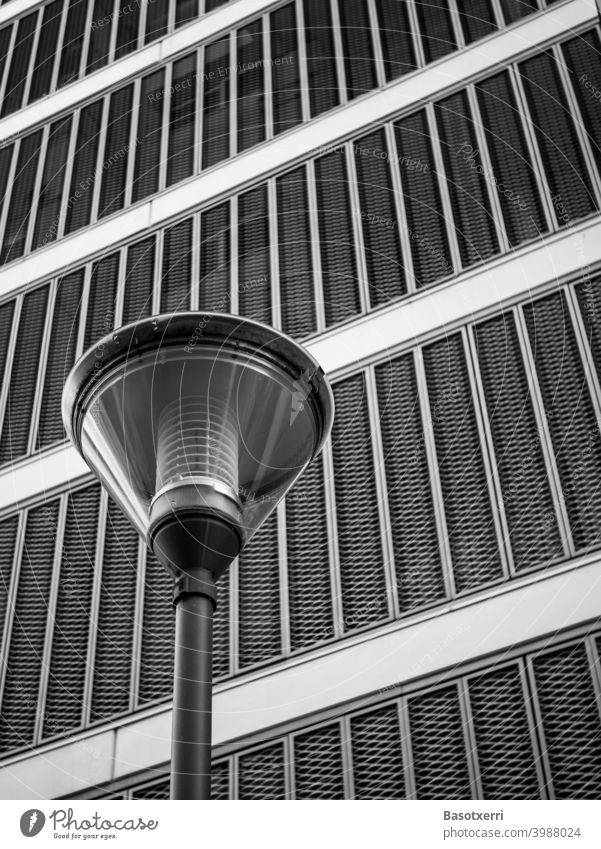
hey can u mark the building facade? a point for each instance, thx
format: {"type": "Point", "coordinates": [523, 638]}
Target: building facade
{"type": "Point", "coordinates": [413, 190]}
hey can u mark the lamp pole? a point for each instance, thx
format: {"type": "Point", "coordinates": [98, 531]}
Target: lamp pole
{"type": "Point", "coordinates": [195, 600]}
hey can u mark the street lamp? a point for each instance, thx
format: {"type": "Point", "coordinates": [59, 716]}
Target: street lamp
{"type": "Point", "coordinates": [197, 424]}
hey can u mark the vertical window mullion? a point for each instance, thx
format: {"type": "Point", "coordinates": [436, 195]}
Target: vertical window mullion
{"type": "Point", "coordinates": [235, 617]}
{"type": "Point", "coordinates": [94, 608]}
{"type": "Point", "coordinates": [8, 191]}
{"type": "Point", "coordinates": [302, 62]}
{"type": "Point", "coordinates": [382, 493]}
{"type": "Point", "coordinates": [114, 29]}
{"type": "Point", "coordinates": [158, 272]}
{"type": "Point", "coordinates": [195, 264]}
{"type": "Point", "coordinates": [315, 252]}
{"type": "Point", "coordinates": [142, 22]}
{"type": "Point", "coordinates": [456, 23]}
{"type": "Point", "coordinates": [468, 727]}
{"type": "Point", "coordinates": [401, 215]}
{"type": "Point", "coordinates": [347, 757]}
{"type": "Point", "coordinates": [533, 726]}
{"type": "Point", "coordinates": [235, 256]}
{"type": "Point", "coordinates": [104, 119]}
{"type": "Point", "coordinates": [539, 731]}
{"type": "Point", "coordinates": [579, 123]}
{"type": "Point", "coordinates": [498, 13]}
{"type": "Point", "coordinates": [62, 215]}
{"type": "Point", "coordinates": [489, 180]}
{"type": "Point", "coordinates": [120, 294]}
{"type": "Point", "coordinates": [198, 119]}
{"type": "Point", "coordinates": [39, 387]}
{"type": "Point", "coordinates": [267, 78]}
{"type": "Point", "coordinates": [87, 31]}
{"type": "Point", "coordinates": [54, 591]}
{"type": "Point", "coordinates": [338, 51]}
{"type": "Point", "coordinates": [376, 43]}
{"type": "Point", "coordinates": [355, 211]}
{"type": "Point", "coordinates": [168, 96]}
{"type": "Point", "coordinates": [272, 212]}
{"type": "Point", "coordinates": [283, 580]}
{"type": "Point", "coordinates": [233, 93]}
{"type": "Point", "coordinates": [488, 454]}
{"type": "Point", "coordinates": [443, 188]}
{"type": "Point", "coordinates": [545, 436]}
{"type": "Point", "coordinates": [134, 151]}
{"type": "Point", "coordinates": [137, 628]}
{"type": "Point", "coordinates": [431, 457]}
{"type": "Point", "coordinates": [333, 548]}
{"type": "Point", "coordinates": [83, 313]}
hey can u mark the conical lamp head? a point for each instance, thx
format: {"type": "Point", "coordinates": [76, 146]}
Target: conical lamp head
{"type": "Point", "coordinates": [197, 423]}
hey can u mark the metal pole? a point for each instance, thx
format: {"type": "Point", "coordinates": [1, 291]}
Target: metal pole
{"type": "Point", "coordinates": [195, 601]}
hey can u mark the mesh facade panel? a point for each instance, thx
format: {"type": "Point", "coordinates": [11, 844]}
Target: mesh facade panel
{"type": "Point", "coordinates": [395, 35]}
{"type": "Point", "coordinates": [72, 42]}
{"type": "Point", "coordinates": [18, 70]}
{"type": "Point", "coordinates": [318, 764]}
{"type": "Point", "coordinates": [384, 261]}
{"type": "Point", "coordinates": [46, 53]}
{"type": "Point", "coordinates": [149, 130]}
{"type": "Point", "coordinates": [215, 117]}
{"type": "Point", "coordinates": [285, 73]}
{"type": "Point", "coordinates": [470, 525]}
{"type": "Point", "coordinates": [100, 35]}
{"type": "Point", "coordinates": [477, 19]}
{"type": "Point", "coordinates": [527, 500]}
{"type": "Point", "coordinates": [158, 633]}
{"type": "Point", "coordinates": [583, 58]}
{"type": "Point", "coordinates": [180, 154]}
{"type": "Point", "coordinates": [438, 746]}
{"type": "Point", "coordinates": [215, 259]}
{"type": "Point", "coordinates": [69, 655]}
{"type": "Point", "coordinates": [254, 272]}
{"type": "Point", "coordinates": [251, 86]}
{"type": "Point", "coordinates": [221, 627]}
{"type": "Point", "coordinates": [139, 277]}
{"type": "Point", "coordinates": [100, 319]}
{"type": "Point", "coordinates": [81, 191]}
{"type": "Point", "coordinates": [357, 47]}
{"type": "Point", "coordinates": [377, 758]}
{"type": "Point", "coordinates": [436, 27]}
{"type": "Point", "coordinates": [177, 267]}
{"type": "Point", "coordinates": [51, 188]}
{"type": "Point", "coordinates": [116, 152]}
{"type": "Point", "coordinates": [364, 596]}
{"type": "Point", "coordinates": [8, 537]}
{"type": "Point", "coordinates": [321, 62]}
{"type": "Point", "coordinates": [21, 199]}
{"type": "Point", "coordinates": [261, 774]}
{"type": "Point", "coordinates": [414, 535]}
{"type": "Point", "coordinates": [220, 781]}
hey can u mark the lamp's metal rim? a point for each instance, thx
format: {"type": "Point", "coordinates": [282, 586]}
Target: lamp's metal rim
{"type": "Point", "coordinates": [194, 328]}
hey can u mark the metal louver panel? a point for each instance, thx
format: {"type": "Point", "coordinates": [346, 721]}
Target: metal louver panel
{"type": "Point", "coordinates": [506, 759]}
{"type": "Point", "coordinates": [41, 78]}
{"type": "Point", "coordinates": [438, 746]}
{"type": "Point", "coordinates": [61, 356]}
{"type": "Point", "coordinates": [149, 129]}
{"type": "Point", "coordinates": [127, 29]}
{"type": "Point", "coordinates": [563, 161]}
{"type": "Point", "coordinates": [318, 772]}
{"type": "Point", "coordinates": [471, 531]}
{"type": "Point", "coordinates": [216, 104]}
{"type": "Point", "coordinates": [177, 267]}
{"type": "Point", "coordinates": [139, 279]}
{"type": "Point", "coordinates": [513, 10]}
{"type": "Point", "coordinates": [583, 57]}
{"type": "Point", "coordinates": [517, 185]}
{"type": "Point", "coordinates": [259, 614]}
{"type": "Point", "coordinates": [100, 319]}
{"type": "Point", "coordinates": [423, 205]}
{"type": "Point", "coordinates": [26, 647]}
{"type": "Point", "coordinates": [79, 205]}
{"type": "Point", "coordinates": [158, 633]}
{"type": "Point", "coordinates": [377, 758]}
{"type": "Point", "coordinates": [221, 628]}
{"type": "Point", "coordinates": [261, 774]}
{"type": "Point", "coordinates": [297, 292]}
{"type": "Point", "coordinates": [19, 66]}
{"type": "Point", "coordinates": [336, 239]}
{"type": "Point", "coordinates": [571, 418]}
{"type": "Point", "coordinates": [100, 36]}
{"type": "Point", "coordinates": [72, 43]}
{"type": "Point", "coordinates": [474, 222]}
{"type": "Point", "coordinates": [309, 589]}
{"type": "Point", "coordinates": [285, 72]}
{"type": "Point", "coordinates": [64, 708]}
{"type": "Point", "coordinates": [412, 517]}
{"type": "Point", "coordinates": [157, 18]}
{"type": "Point", "coordinates": [588, 295]}
{"type": "Point", "coordinates": [251, 85]}
{"type": "Point", "coordinates": [7, 311]}
{"type": "Point", "coordinates": [383, 258]}
{"type": "Point", "coordinates": [185, 11]}
{"type": "Point", "coordinates": [358, 50]}
{"type": "Point", "coordinates": [321, 58]}
{"type": "Point", "coordinates": [116, 617]}
{"type": "Point", "coordinates": [533, 531]}
{"type": "Point", "coordinates": [5, 36]}
{"type": "Point", "coordinates": [180, 156]}
{"type": "Point", "coordinates": [220, 780]}
{"type": "Point", "coordinates": [436, 28]}
{"type": "Point", "coordinates": [51, 188]}
{"type": "Point", "coordinates": [395, 35]}
{"type": "Point", "coordinates": [254, 272]}
{"type": "Point", "coordinates": [116, 152]}
{"type": "Point", "coordinates": [364, 596]}
{"type": "Point", "coordinates": [570, 721]}
{"type": "Point", "coordinates": [477, 19]}
{"type": "Point", "coordinates": [8, 536]}
{"type": "Point", "coordinates": [21, 391]}
{"type": "Point", "coordinates": [158, 790]}
{"type": "Point", "coordinates": [21, 198]}
{"type": "Point", "coordinates": [215, 259]}
{"type": "Point", "coordinates": [6, 158]}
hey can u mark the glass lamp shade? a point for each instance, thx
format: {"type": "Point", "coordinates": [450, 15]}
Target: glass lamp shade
{"type": "Point", "coordinates": [197, 414]}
